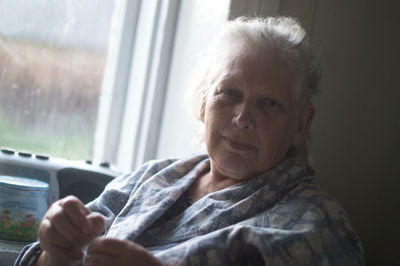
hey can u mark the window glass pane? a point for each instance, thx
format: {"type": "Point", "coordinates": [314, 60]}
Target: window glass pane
{"type": "Point", "coordinates": [52, 59]}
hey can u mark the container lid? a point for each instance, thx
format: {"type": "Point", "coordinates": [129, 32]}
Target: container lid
{"type": "Point", "coordinates": [23, 183]}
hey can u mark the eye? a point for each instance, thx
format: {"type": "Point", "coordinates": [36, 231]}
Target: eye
{"type": "Point", "coordinates": [271, 103]}
{"type": "Point", "coordinates": [229, 92]}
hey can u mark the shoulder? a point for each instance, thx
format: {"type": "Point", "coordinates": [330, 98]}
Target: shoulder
{"type": "Point", "coordinates": [309, 198]}
{"type": "Point", "coordinates": [171, 165]}
{"type": "Point", "coordinates": [163, 167]}
{"type": "Point", "coordinates": [308, 205]}
{"type": "Point", "coordinates": [310, 216]}
{"type": "Point", "coordinates": [311, 209]}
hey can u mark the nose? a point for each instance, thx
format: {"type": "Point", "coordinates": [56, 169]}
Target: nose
{"type": "Point", "coordinates": [243, 117]}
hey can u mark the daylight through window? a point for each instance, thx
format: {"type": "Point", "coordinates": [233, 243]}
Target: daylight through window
{"type": "Point", "coordinates": [52, 60]}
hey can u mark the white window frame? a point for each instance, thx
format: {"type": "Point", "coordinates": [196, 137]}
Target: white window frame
{"type": "Point", "coordinates": [134, 84]}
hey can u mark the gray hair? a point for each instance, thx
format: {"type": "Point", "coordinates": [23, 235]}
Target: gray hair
{"type": "Point", "coordinates": [282, 35]}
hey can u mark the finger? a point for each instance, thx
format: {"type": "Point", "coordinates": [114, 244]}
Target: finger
{"type": "Point", "coordinates": [101, 259]}
{"type": "Point", "coordinates": [62, 253]}
{"type": "Point", "coordinates": [55, 244]}
{"type": "Point", "coordinates": [121, 251]}
{"type": "Point", "coordinates": [60, 223]}
{"type": "Point", "coordinates": [108, 246]}
{"type": "Point", "coordinates": [97, 223]}
{"type": "Point", "coordinates": [76, 212]}
{"type": "Point", "coordinates": [49, 235]}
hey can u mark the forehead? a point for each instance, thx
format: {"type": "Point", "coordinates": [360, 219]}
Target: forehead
{"type": "Point", "coordinates": [265, 69]}
{"type": "Point", "coordinates": [261, 75]}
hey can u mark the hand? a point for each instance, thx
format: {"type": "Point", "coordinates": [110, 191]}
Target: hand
{"type": "Point", "coordinates": [111, 251]}
{"type": "Point", "coordinates": [66, 228]}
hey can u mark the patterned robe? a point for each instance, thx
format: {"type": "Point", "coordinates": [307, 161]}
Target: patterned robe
{"type": "Point", "coordinates": [278, 218]}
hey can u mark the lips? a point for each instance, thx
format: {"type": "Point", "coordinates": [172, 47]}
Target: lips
{"type": "Point", "coordinates": [238, 145]}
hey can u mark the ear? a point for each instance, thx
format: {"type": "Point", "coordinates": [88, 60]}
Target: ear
{"type": "Point", "coordinates": [304, 124]}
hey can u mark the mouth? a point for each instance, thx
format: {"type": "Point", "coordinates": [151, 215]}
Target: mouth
{"type": "Point", "coordinates": [238, 145]}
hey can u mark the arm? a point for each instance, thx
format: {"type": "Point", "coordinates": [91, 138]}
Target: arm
{"type": "Point", "coordinates": [249, 245]}
{"type": "Point", "coordinates": [116, 252]}
{"type": "Point", "coordinates": [117, 193]}
{"type": "Point", "coordinates": [65, 229]}
{"type": "Point", "coordinates": [108, 204]}
{"type": "Point", "coordinates": [287, 237]}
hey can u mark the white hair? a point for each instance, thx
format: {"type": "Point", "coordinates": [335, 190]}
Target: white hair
{"type": "Point", "coordinates": [282, 35]}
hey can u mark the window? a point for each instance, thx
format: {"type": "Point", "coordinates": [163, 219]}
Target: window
{"type": "Point", "coordinates": [52, 60]}
{"type": "Point", "coordinates": [101, 79]}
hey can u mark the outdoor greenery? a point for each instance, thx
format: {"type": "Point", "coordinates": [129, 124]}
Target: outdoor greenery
{"type": "Point", "coordinates": [49, 98]}
{"type": "Point", "coordinates": [71, 145]}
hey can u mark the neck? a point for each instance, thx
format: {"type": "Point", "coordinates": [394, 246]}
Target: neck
{"type": "Point", "coordinates": [209, 182]}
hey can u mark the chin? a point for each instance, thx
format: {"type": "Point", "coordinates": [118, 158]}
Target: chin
{"type": "Point", "coordinates": [236, 167]}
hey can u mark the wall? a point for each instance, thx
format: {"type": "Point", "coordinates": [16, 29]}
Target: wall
{"type": "Point", "coordinates": [356, 133]}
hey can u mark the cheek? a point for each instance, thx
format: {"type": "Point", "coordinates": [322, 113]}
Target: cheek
{"type": "Point", "coordinates": [216, 122]}
{"type": "Point", "coordinates": [215, 114]}
{"type": "Point", "coordinates": [213, 126]}
{"type": "Point", "coordinates": [276, 137]}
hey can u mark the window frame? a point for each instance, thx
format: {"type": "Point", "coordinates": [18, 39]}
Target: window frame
{"type": "Point", "coordinates": [133, 90]}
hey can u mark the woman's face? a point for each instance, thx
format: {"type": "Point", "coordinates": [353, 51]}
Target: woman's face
{"type": "Point", "coordinates": [251, 118]}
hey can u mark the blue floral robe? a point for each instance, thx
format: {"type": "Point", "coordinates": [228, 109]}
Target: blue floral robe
{"type": "Point", "coordinates": [278, 218]}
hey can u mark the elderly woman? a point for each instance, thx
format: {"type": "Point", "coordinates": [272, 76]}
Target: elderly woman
{"type": "Point", "coordinates": [251, 200]}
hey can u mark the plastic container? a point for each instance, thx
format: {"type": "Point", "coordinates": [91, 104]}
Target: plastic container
{"type": "Point", "coordinates": [22, 206]}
